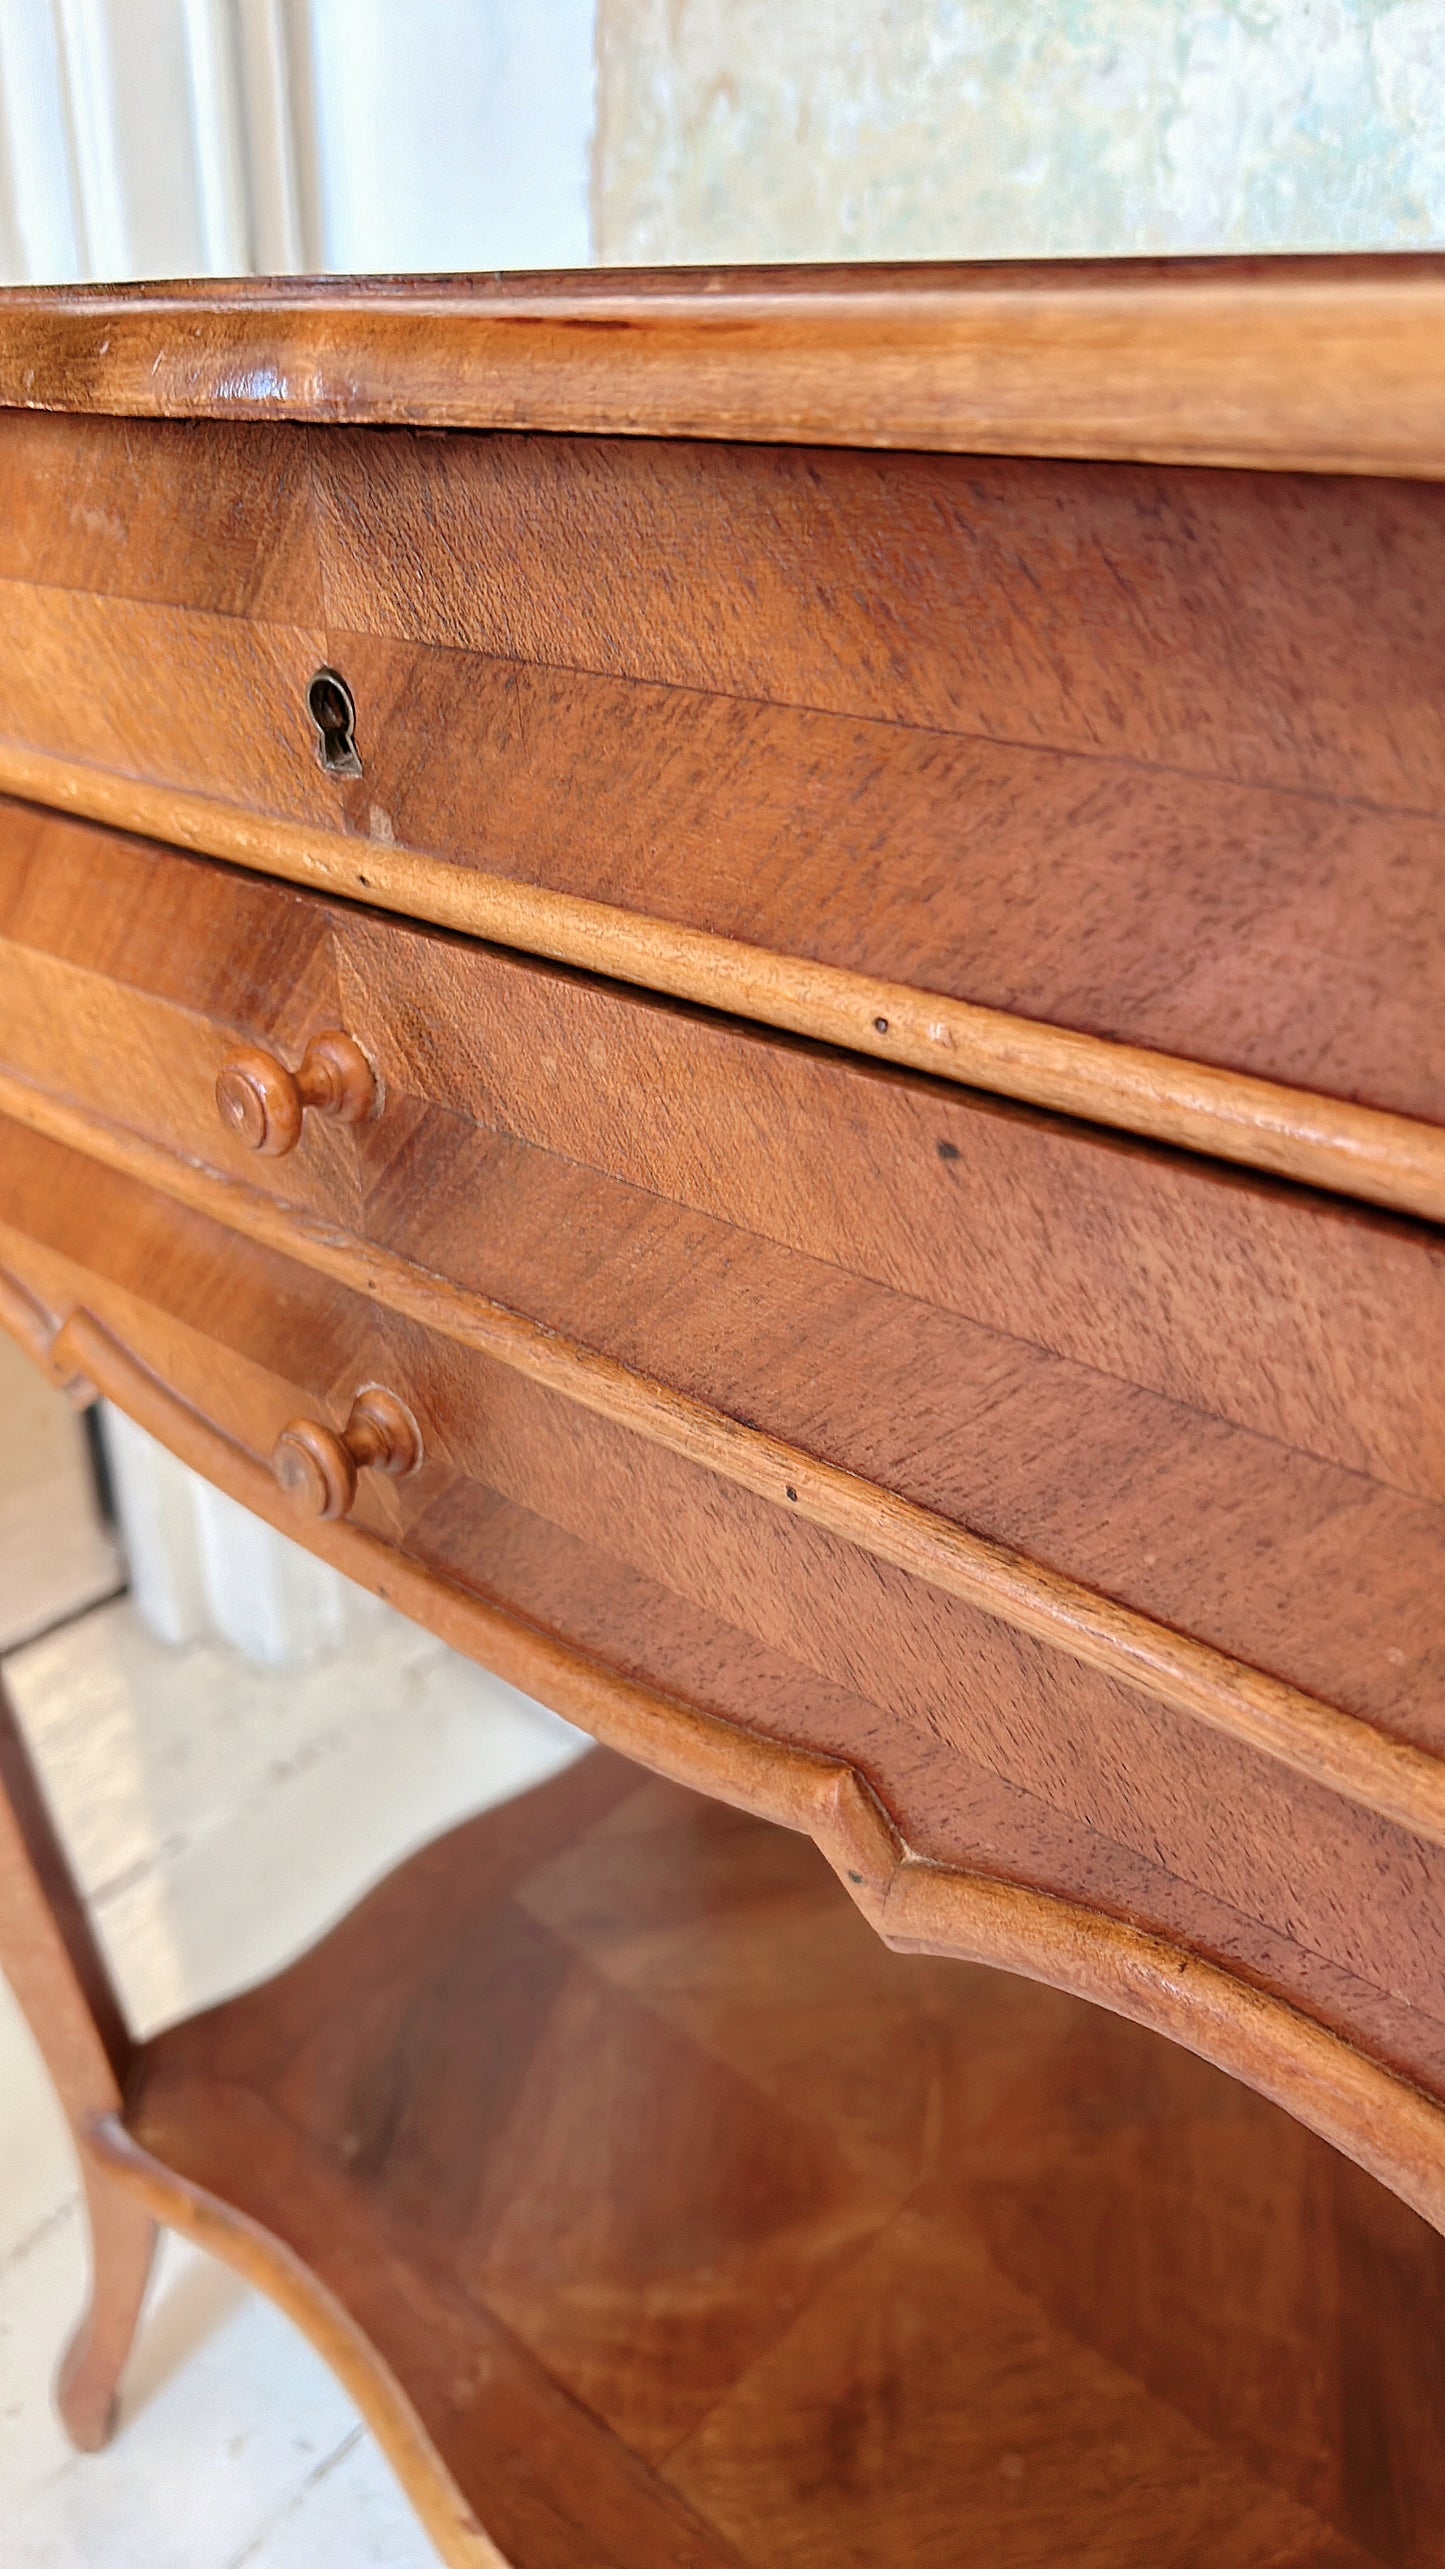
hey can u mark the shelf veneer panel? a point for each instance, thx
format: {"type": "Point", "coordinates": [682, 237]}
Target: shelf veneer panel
{"type": "Point", "coordinates": [699, 2228]}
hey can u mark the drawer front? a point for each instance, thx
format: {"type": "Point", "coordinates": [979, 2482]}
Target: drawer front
{"type": "Point", "coordinates": [1218, 1404]}
{"type": "Point", "coordinates": [991, 1748]}
{"type": "Point", "coordinates": [1153, 754]}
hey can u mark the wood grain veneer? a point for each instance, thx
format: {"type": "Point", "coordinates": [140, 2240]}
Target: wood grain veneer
{"type": "Point", "coordinates": [773, 2118]}
{"type": "Point", "coordinates": [1330, 364]}
{"type": "Point", "coordinates": [850, 764]}
{"type": "Point", "coordinates": [1385, 1775]}
{"type": "Point", "coordinates": [1385, 1159]}
{"type": "Point", "coordinates": [1293, 1318]}
{"type": "Point", "coordinates": [810, 2188]}
{"type": "Point", "coordinates": [673, 1322]}
{"type": "Point", "coordinates": [982, 1756]}
{"type": "Point", "coordinates": [845, 1185]}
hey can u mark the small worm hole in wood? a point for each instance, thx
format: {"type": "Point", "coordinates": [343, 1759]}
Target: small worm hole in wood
{"type": "Point", "coordinates": [332, 708]}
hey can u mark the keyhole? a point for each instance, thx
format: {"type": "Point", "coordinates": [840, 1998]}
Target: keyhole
{"type": "Point", "coordinates": [333, 711]}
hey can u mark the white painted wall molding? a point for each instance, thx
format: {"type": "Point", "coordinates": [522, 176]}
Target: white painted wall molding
{"type": "Point", "coordinates": [282, 191]}
{"type": "Point", "coordinates": [40, 192]}
{"type": "Point", "coordinates": [106, 232]}
{"type": "Point", "coordinates": [454, 134]}
{"type": "Point", "coordinates": [154, 138]}
{"type": "Point", "coordinates": [199, 1564]}
{"type": "Point", "coordinates": [223, 137]}
{"type": "Point", "coordinates": [218, 135]}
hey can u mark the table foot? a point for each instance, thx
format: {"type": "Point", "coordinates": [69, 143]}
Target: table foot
{"type": "Point", "coordinates": [123, 2244]}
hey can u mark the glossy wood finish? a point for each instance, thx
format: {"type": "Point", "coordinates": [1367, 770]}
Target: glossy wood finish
{"type": "Point", "coordinates": [695, 2228]}
{"type": "Point", "coordinates": [987, 1752]}
{"type": "Point", "coordinates": [675, 1312]}
{"type": "Point", "coordinates": [317, 1467]}
{"type": "Point", "coordinates": [1326, 364]}
{"type": "Point", "coordinates": [1386, 1159]}
{"type": "Point", "coordinates": [126, 977]}
{"type": "Point", "coordinates": [979, 1314]}
{"type": "Point", "coordinates": [1049, 771]}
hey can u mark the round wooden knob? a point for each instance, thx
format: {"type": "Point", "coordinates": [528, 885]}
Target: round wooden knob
{"type": "Point", "coordinates": [314, 1467]}
{"type": "Point", "coordinates": [317, 1468]}
{"type": "Point", "coordinates": [262, 1102]}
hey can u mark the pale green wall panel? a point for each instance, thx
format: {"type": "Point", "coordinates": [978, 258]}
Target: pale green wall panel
{"type": "Point", "coordinates": [757, 129]}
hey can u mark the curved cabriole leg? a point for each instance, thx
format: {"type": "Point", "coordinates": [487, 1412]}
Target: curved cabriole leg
{"type": "Point", "coordinates": [50, 1957]}
{"type": "Point", "coordinates": [122, 2251]}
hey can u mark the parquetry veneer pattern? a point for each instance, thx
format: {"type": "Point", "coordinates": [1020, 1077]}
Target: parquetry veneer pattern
{"type": "Point", "coordinates": [700, 2229]}
{"type": "Point", "coordinates": [1097, 749]}
{"type": "Point", "coordinates": [948, 1712]}
{"type": "Point", "coordinates": [832, 1158]}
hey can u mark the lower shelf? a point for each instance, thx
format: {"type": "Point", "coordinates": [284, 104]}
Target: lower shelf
{"type": "Point", "coordinates": [697, 2228]}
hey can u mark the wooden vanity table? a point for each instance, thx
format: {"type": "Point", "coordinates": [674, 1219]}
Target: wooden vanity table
{"type": "Point", "coordinates": [736, 981]}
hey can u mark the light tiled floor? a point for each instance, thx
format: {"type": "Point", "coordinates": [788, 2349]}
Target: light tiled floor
{"type": "Point", "coordinates": [220, 1816]}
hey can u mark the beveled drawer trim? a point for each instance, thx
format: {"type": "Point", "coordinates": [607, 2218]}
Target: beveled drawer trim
{"type": "Point", "coordinates": [1298, 364]}
{"type": "Point", "coordinates": [1403, 1784]}
{"type": "Point", "coordinates": [1390, 2127]}
{"type": "Point", "coordinates": [1385, 1159]}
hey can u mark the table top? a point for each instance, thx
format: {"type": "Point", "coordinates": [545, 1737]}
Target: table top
{"type": "Point", "coordinates": [1330, 365]}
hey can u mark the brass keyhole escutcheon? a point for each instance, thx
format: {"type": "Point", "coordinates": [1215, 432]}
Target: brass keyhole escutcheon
{"type": "Point", "coordinates": [332, 708]}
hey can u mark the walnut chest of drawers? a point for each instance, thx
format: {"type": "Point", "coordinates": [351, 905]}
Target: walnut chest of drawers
{"type": "Point", "coordinates": [736, 982]}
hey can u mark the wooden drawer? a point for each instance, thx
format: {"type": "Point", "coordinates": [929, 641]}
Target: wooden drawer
{"type": "Point", "coordinates": [1150, 754]}
{"type": "Point", "coordinates": [1217, 1401]}
{"type": "Point", "coordinates": [996, 1740]}
{"type": "Point", "coordinates": [1083, 1497]}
